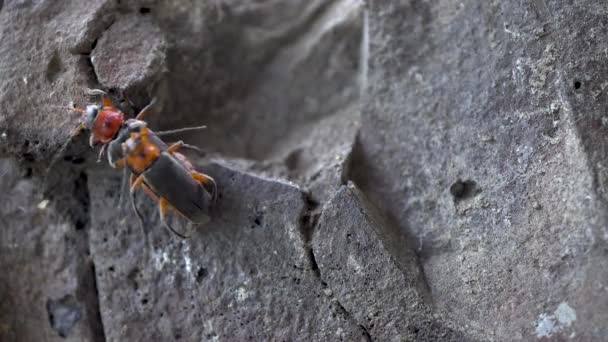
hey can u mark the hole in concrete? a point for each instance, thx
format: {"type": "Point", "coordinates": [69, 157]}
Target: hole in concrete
{"type": "Point", "coordinates": [258, 219]}
{"type": "Point", "coordinates": [80, 224]}
{"type": "Point", "coordinates": [577, 84]}
{"type": "Point", "coordinates": [144, 10]}
{"type": "Point", "coordinates": [28, 157]}
{"type": "Point", "coordinates": [78, 160]}
{"type": "Point", "coordinates": [200, 274]}
{"type": "Point", "coordinates": [53, 68]}
{"type": "Point", "coordinates": [464, 189]}
{"type": "Point", "coordinates": [293, 160]}
{"type": "Point", "coordinates": [144, 301]}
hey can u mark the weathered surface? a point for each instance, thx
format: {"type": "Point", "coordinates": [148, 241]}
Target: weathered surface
{"type": "Point", "coordinates": [480, 144]}
{"type": "Point", "coordinates": [130, 55]}
{"type": "Point", "coordinates": [373, 273]}
{"type": "Point", "coordinates": [478, 133]}
{"type": "Point", "coordinates": [245, 275]}
{"type": "Point", "coordinates": [44, 63]}
{"type": "Point", "coordinates": [47, 287]}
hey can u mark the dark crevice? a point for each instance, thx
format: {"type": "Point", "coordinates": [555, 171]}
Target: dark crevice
{"type": "Point", "coordinates": [87, 54]}
{"type": "Point", "coordinates": [308, 223]}
{"type": "Point", "coordinates": [364, 332]}
{"type": "Point", "coordinates": [91, 66]}
{"type": "Point", "coordinates": [80, 212]}
{"type": "Point", "coordinates": [101, 331]}
{"type": "Point", "coordinates": [362, 173]}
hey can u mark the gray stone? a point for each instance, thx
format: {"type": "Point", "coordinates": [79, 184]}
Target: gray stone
{"type": "Point", "coordinates": [130, 56]}
{"type": "Point", "coordinates": [507, 99]}
{"type": "Point", "coordinates": [47, 285]}
{"type": "Point", "coordinates": [245, 275]}
{"type": "Point", "coordinates": [373, 272]}
{"type": "Point", "coordinates": [44, 63]}
{"type": "Point", "coordinates": [475, 128]}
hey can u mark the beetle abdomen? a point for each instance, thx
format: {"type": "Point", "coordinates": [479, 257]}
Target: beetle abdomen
{"type": "Point", "coordinates": [169, 179]}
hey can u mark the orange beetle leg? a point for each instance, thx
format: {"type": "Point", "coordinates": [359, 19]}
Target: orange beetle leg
{"type": "Point", "coordinates": [136, 181]}
{"type": "Point", "coordinates": [120, 163]}
{"type": "Point", "coordinates": [206, 180]}
{"type": "Point", "coordinates": [163, 206]}
{"type": "Point", "coordinates": [146, 110]}
{"type": "Point", "coordinates": [175, 146]}
{"type": "Point", "coordinates": [149, 192]}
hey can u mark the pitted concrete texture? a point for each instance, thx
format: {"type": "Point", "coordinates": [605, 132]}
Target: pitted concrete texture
{"type": "Point", "coordinates": [387, 170]}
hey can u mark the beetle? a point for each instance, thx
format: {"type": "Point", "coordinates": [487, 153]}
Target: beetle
{"type": "Point", "coordinates": [109, 128]}
{"type": "Point", "coordinates": [167, 176]}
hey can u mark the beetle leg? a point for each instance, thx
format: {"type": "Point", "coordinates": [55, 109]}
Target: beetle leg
{"type": "Point", "coordinates": [135, 181]}
{"type": "Point", "coordinates": [192, 147]}
{"type": "Point", "coordinates": [143, 133]}
{"type": "Point", "coordinates": [149, 192]}
{"type": "Point", "coordinates": [123, 183]}
{"type": "Point", "coordinates": [175, 146]}
{"type": "Point", "coordinates": [204, 179]}
{"type": "Point", "coordinates": [101, 152]}
{"type": "Point", "coordinates": [119, 163]}
{"type": "Point", "coordinates": [163, 206]}
{"type": "Point", "coordinates": [92, 140]}
{"type": "Point", "coordinates": [145, 110]}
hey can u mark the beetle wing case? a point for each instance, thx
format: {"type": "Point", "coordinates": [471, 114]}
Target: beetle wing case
{"type": "Point", "coordinates": [169, 179]}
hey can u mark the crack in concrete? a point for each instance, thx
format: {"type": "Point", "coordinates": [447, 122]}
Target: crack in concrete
{"type": "Point", "coordinates": [88, 54]}
{"type": "Point", "coordinates": [101, 335]}
{"type": "Point", "coordinates": [309, 220]}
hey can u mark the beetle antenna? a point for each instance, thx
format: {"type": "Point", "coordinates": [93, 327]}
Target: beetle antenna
{"type": "Point", "coordinates": [180, 130]}
{"type": "Point", "coordinates": [195, 148]}
{"type": "Point", "coordinates": [139, 216]}
{"type": "Point", "coordinates": [146, 110]}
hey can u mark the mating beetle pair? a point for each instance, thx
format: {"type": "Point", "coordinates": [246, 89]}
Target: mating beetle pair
{"type": "Point", "coordinates": [164, 174]}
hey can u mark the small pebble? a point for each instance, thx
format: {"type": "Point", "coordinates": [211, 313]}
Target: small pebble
{"type": "Point", "coordinates": [43, 204]}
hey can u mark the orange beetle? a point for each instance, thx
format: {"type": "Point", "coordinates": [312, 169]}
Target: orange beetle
{"type": "Point", "coordinates": [168, 177]}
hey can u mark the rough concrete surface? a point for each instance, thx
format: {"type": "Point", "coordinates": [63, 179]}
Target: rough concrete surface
{"type": "Point", "coordinates": [390, 170]}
